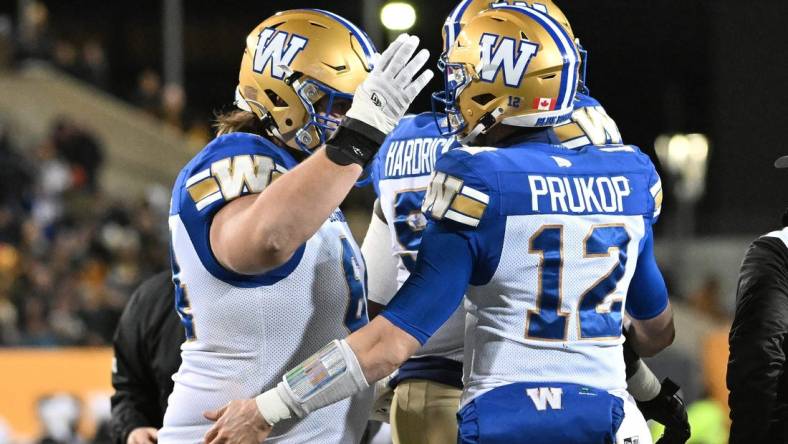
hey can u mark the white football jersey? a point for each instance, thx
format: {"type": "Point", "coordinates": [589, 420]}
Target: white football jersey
{"type": "Point", "coordinates": [244, 332]}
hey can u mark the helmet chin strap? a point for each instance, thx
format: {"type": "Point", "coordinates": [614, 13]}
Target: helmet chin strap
{"type": "Point", "coordinates": [487, 121]}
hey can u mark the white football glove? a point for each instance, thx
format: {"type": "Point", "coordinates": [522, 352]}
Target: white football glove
{"type": "Point", "coordinates": [384, 97]}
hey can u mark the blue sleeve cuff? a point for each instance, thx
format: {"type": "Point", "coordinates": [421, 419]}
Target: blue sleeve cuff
{"type": "Point", "coordinates": [419, 334]}
{"type": "Point", "coordinates": [655, 311]}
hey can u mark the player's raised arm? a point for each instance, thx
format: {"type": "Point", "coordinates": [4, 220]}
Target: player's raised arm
{"type": "Point", "coordinates": [254, 234]}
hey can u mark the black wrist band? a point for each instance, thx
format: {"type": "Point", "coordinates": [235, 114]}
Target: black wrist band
{"type": "Point", "coordinates": [355, 142]}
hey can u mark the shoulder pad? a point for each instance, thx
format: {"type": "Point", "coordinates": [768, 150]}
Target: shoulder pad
{"type": "Point", "coordinates": [583, 100]}
{"type": "Point", "coordinates": [416, 125]}
{"type": "Point", "coordinates": [590, 125]}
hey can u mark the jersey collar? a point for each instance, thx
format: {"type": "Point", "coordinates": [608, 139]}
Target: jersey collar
{"type": "Point", "coordinates": [546, 135]}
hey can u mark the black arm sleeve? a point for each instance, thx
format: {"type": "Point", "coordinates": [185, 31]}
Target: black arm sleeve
{"type": "Point", "coordinates": [757, 341]}
{"type": "Point", "coordinates": [135, 402]}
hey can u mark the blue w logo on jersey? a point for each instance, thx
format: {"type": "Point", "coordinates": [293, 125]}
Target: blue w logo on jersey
{"type": "Point", "coordinates": [273, 46]}
{"type": "Point", "coordinates": [506, 56]}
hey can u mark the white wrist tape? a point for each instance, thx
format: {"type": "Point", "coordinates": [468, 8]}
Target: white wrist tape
{"type": "Point", "coordinates": [328, 376]}
{"type": "Point", "coordinates": [272, 407]}
{"type": "Point", "coordinates": [643, 385]}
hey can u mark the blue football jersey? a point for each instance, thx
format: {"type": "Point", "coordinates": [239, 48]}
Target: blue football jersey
{"type": "Point", "coordinates": [554, 239]}
{"type": "Point", "coordinates": [401, 173]}
{"type": "Point", "coordinates": [402, 167]}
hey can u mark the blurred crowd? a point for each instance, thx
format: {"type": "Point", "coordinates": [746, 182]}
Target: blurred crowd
{"type": "Point", "coordinates": [69, 256]}
{"type": "Point", "coordinates": [33, 40]}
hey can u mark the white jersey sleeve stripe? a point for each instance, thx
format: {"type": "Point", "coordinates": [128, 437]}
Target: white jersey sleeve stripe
{"type": "Point", "coordinates": [475, 194]}
{"type": "Point", "coordinates": [461, 218]}
{"type": "Point", "coordinates": [198, 177]}
{"type": "Point", "coordinates": [656, 188]}
{"type": "Point", "coordinates": [208, 200]}
{"type": "Point", "coordinates": [577, 143]}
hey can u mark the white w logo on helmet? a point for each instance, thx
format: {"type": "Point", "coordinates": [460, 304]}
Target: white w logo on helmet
{"type": "Point", "coordinates": [537, 6]}
{"type": "Point", "coordinates": [271, 48]}
{"type": "Point", "coordinates": [503, 57]}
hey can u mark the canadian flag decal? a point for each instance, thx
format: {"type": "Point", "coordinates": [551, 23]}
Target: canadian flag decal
{"type": "Point", "coordinates": [544, 104]}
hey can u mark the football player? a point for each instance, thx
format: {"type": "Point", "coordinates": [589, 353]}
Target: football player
{"type": "Point", "coordinates": [552, 242]}
{"type": "Point", "coordinates": [427, 387]}
{"type": "Point", "coordinates": [265, 267]}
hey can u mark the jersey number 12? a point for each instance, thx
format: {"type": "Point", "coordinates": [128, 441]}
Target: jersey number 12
{"type": "Point", "coordinates": [597, 318]}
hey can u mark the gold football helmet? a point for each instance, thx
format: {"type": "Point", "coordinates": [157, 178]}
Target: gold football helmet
{"type": "Point", "coordinates": [467, 9]}
{"type": "Point", "coordinates": [299, 71]}
{"type": "Point", "coordinates": [510, 65]}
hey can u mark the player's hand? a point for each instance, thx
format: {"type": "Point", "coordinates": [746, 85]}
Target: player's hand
{"type": "Point", "coordinates": [239, 422]}
{"type": "Point", "coordinates": [143, 435]}
{"type": "Point", "coordinates": [668, 409]}
{"type": "Point", "coordinates": [384, 97]}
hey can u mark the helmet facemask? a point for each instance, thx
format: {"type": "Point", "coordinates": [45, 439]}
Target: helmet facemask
{"type": "Point", "coordinates": [582, 85]}
{"type": "Point", "coordinates": [455, 78]}
{"type": "Point", "coordinates": [320, 101]}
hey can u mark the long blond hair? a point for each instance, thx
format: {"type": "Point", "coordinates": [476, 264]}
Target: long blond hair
{"type": "Point", "coordinates": [236, 121]}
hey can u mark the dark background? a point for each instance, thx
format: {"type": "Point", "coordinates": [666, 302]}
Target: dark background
{"type": "Point", "coordinates": [714, 66]}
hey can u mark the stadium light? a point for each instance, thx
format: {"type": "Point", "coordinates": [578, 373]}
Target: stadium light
{"type": "Point", "coordinates": [398, 16]}
{"type": "Point", "coordinates": [686, 157]}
